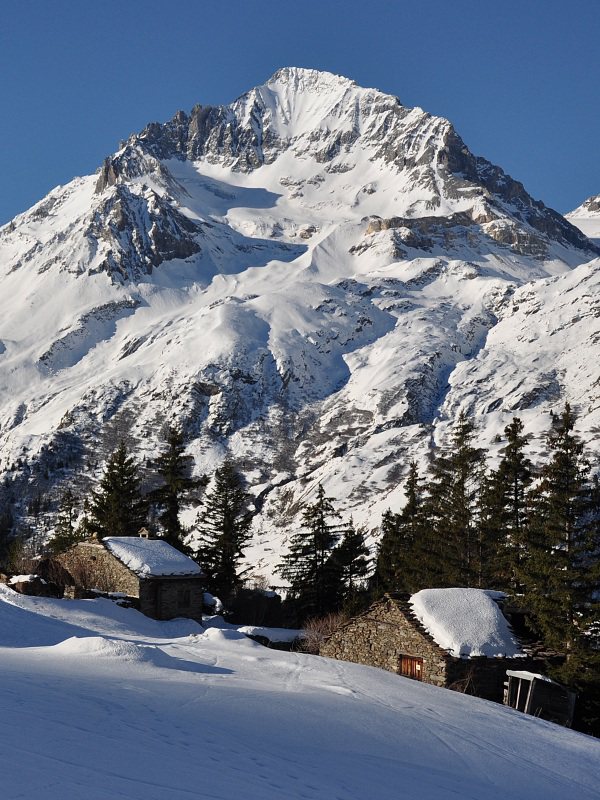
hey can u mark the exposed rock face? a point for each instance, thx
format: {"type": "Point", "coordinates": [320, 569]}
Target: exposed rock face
{"type": "Point", "coordinates": [139, 232]}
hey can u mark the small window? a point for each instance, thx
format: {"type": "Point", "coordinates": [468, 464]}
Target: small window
{"type": "Point", "coordinates": [183, 598]}
{"type": "Point", "coordinates": [411, 667]}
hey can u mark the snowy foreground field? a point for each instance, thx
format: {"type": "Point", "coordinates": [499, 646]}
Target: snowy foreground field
{"type": "Point", "coordinates": [99, 702]}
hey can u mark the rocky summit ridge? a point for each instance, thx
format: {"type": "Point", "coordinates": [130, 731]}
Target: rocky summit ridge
{"type": "Point", "coordinates": [313, 279]}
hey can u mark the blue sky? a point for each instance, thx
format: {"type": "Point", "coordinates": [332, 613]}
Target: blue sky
{"type": "Point", "coordinates": [518, 79]}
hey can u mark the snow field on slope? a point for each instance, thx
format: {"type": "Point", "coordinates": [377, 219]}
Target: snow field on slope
{"type": "Point", "coordinates": [214, 715]}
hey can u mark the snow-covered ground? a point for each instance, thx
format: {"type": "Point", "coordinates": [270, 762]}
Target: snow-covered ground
{"type": "Point", "coordinates": [99, 702]}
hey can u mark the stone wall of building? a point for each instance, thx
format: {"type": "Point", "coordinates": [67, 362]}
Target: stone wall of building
{"type": "Point", "coordinates": [93, 567]}
{"type": "Point", "coordinates": [378, 637]}
{"type": "Point", "coordinates": [166, 598]}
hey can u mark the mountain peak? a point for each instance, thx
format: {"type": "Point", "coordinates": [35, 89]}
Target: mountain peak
{"type": "Point", "coordinates": [589, 208]}
{"type": "Point", "coordinates": [303, 79]}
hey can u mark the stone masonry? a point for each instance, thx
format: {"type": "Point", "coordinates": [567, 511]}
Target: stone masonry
{"type": "Point", "coordinates": [92, 566]}
{"type": "Point", "coordinates": [381, 634]}
{"type": "Point", "coordinates": [389, 629]}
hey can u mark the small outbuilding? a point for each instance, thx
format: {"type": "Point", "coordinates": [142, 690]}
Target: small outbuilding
{"type": "Point", "coordinates": [164, 582]}
{"type": "Point", "coordinates": [453, 638]}
{"type": "Point", "coordinates": [540, 696]}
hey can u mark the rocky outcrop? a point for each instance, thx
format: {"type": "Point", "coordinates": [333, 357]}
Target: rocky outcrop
{"type": "Point", "coordinates": [137, 233]}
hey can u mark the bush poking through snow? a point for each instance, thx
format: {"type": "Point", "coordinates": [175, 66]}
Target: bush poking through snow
{"type": "Point", "coordinates": [317, 629]}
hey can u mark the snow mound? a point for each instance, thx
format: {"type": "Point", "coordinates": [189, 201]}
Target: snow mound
{"type": "Point", "coordinates": [223, 635]}
{"type": "Point", "coordinates": [122, 651]}
{"type": "Point", "coordinates": [150, 557]}
{"type": "Point", "coordinates": [466, 622]}
{"type": "Point", "coordinates": [272, 634]}
{"type": "Point", "coordinates": [99, 647]}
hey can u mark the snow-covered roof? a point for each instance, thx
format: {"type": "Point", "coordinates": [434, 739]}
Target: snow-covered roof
{"type": "Point", "coordinates": [466, 622]}
{"type": "Point", "coordinates": [150, 558]}
{"type": "Point", "coordinates": [529, 676]}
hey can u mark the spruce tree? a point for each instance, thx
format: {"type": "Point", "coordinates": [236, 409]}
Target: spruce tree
{"type": "Point", "coordinates": [451, 507]}
{"type": "Point", "coordinates": [177, 486]}
{"type": "Point", "coordinates": [504, 514]}
{"type": "Point", "coordinates": [560, 570]}
{"type": "Point", "coordinates": [66, 532]}
{"type": "Point", "coordinates": [404, 559]}
{"type": "Point", "coordinates": [313, 576]}
{"type": "Point", "coordinates": [352, 557]}
{"type": "Point", "coordinates": [389, 565]}
{"type": "Point", "coordinates": [117, 508]}
{"type": "Point", "coordinates": [224, 531]}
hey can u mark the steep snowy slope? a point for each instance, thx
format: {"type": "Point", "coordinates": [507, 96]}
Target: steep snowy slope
{"type": "Point", "coordinates": [99, 701]}
{"type": "Point", "coordinates": [295, 278]}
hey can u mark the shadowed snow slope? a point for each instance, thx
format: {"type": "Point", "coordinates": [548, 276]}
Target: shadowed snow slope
{"type": "Point", "coordinates": [214, 715]}
{"type": "Point", "coordinates": [301, 280]}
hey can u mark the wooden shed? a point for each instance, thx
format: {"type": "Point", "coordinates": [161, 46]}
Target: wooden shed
{"type": "Point", "coordinates": [394, 635]}
{"type": "Point", "coordinates": [540, 696]}
{"type": "Point", "coordinates": [165, 582]}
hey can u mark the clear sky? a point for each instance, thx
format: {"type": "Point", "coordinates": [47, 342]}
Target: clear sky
{"type": "Point", "coordinates": [518, 78]}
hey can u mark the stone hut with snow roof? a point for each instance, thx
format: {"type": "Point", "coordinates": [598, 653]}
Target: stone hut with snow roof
{"type": "Point", "coordinates": [453, 638]}
{"type": "Point", "coordinates": [164, 582]}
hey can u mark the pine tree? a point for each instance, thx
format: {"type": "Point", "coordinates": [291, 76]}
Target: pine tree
{"type": "Point", "coordinates": [352, 557]}
{"type": "Point", "coordinates": [66, 532]}
{"type": "Point", "coordinates": [454, 484]}
{"type": "Point", "coordinates": [313, 576]}
{"type": "Point", "coordinates": [224, 531]}
{"type": "Point", "coordinates": [117, 508]}
{"type": "Point", "coordinates": [174, 469]}
{"type": "Point", "coordinates": [389, 565]}
{"type": "Point", "coordinates": [404, 559]}
{"type": "Point", "coordinates": [504, 514]}
{"type": "Point", "coordinates": [560, 570]}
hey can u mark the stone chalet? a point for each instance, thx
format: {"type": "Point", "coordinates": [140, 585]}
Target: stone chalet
{"type": "Point", "coordinates": [453, 638]}
{"type": "Point", "coordinates": [164, 582]}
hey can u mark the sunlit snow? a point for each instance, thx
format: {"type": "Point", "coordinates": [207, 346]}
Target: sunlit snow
{"type": "Point", "coordinates": [99, 702]}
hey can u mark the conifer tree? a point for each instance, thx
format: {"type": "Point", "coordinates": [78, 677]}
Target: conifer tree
{"type": "Point", "coordinates": [174, 469]}
{"type": "Point", "coordinates": [454, 484]}
{"type": "Point", "coordinates": [352, 557]}
{"type": "Point", "coordinates": [224, 531]}
{"type": "Point", "coordinates": [560, 570]}
{"type": "Point", "coordinates": [404, 560]}
{"type": "Point", "coordinates": [66, 532]}
{"type": "Point", "coordinates": [504, 514]}
{"type": "Point", "coordinates": [117, 507]}
{"type": "Point", "coordinates": [390, 562]}
{"type": "Point", "coordinates": [312, 575]}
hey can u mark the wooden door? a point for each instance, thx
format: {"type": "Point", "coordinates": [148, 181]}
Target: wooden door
{"type": "Point", "coordinates": [411, 667]}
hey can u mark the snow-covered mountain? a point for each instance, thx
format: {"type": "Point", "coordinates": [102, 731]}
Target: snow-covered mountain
{"type": "Point", "coordinates": [313, 279]}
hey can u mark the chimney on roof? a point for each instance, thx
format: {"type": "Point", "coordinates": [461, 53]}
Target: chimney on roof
{"type": "Point", "coordinates": [143, 533]}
